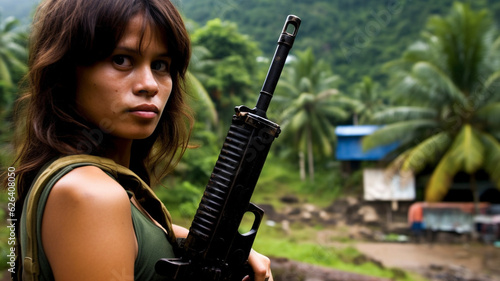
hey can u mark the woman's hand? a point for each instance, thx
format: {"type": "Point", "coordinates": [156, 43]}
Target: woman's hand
{"type": "Point", "coordinates": [261, 267]}
{"type": "Point", "coordinates": [260, 264]}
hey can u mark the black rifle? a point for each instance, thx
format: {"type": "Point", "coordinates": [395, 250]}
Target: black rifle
{"type": "Point", "coordinates": [214, 248]}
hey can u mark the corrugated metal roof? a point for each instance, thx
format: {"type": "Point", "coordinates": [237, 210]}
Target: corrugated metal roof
{"type": "Point", "coordinates": [359, 130]}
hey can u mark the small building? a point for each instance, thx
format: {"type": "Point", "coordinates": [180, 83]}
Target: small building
{"type": "Point", "coordinates": [377, 185]}
{"type": "Point", "coordinates": [349, 144]}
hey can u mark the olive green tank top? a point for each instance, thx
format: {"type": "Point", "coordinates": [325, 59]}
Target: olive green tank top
{"type": "Point", "coordinates": [152, 241]}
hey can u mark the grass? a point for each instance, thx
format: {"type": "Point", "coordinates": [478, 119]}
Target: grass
{"type": "Point", "coordinates": [279, 179]}
{"type": "Point", "coordinates": [301, 245]}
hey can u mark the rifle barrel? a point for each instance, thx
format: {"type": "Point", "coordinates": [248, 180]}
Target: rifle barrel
{"type": "Point", "coordinates": [285, 43]}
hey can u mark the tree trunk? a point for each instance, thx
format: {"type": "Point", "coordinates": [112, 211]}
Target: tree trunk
{"type": "Point", "coordinates": [310, 155]}
{"type": "Point", "coordinates": [475, 193]}
{"type": "Point", "coordinates": [302, 166]}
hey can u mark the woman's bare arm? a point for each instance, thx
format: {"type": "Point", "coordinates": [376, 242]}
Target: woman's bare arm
{"type": "Point", "coordinates": [87, 229]}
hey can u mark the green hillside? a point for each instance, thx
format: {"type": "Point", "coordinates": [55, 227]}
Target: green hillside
{"type": "Point", "coordinates": [355, 36]}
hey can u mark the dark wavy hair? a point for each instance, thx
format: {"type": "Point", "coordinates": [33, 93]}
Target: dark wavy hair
{"type": "Point", "coordinates": [71, 33]}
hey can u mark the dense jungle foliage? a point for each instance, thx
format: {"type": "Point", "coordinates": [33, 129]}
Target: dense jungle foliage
{"type": "Point", "coordinates": [429, 70]}
{"type": "Point", "coordinates": [354, 36]}
{"type": "Point", "coordinates": [340, 73]}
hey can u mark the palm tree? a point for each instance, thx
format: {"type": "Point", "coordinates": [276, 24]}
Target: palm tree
{"type": "Point", "coordinates": [13, 55]}
{"type": "Point", "coordinates": [12, 51]}
{"type": "Point", "coordinates": [451, 108]}
{"type": "Point", "coordinates": [308, 96]}
{"type": "Point", "coordinates": [202, 103]}
{"type": "Point", "coordinates": [367, 99]}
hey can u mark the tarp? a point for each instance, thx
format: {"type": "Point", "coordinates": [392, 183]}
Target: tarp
{"type": "Point", "coordinates": [451, 216]}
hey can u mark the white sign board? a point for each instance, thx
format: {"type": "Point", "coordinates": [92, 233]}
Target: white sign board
{"type": "Point", "coordinates": [379, 185]}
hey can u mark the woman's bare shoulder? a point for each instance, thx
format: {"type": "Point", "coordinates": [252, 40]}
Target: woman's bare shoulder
{"type": "Point", "coordinates": [89, 184]}
{"type": "Point", "coordinates": [85, 194]}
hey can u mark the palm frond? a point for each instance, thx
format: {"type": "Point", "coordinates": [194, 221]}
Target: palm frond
{"type": "Point", "coordinates": [400, 113]}
{"type": "Point", "coordinates": [327, 94]}
{"type": "Point", "coordinates": [397, 163]}
{"type": "Point", "coordinates": [491, 91]}
{"type": "Point", "coordinates": [9, 24]}
{"type": "Point", "coordinates": [287, 91]}
{"type": "Point", "coordinates": [426, 152]}
{"type": "Point", "coordinates": [14, 55]}
{"type": "Point", "coordinates": [419, 51]}
{"type": "Point", "coordinates": [305, 85]}
{"type": "Point", "coordinates": [437, 83]}
{"type": "Point", "coordinates": [492, 157]}
{"type": "Point", "coordinates": [328, 82]}
{"type": "Point", "coordinates": [288, 113]}
{"type": "Point", "coordinates": [346, 102]}
{"type": "Point", "coordinates": [440, 180]}
{"type": "Point", "coordinates": [395, 132]}
{"type": "Point", "coordinates": [489, 115]}
{"type": "Point", "coordinates": [201, 98]}
{"type": "Point", "coordinates": [5, 76]}
{"type": "Point", "coordinates": [333, 112]}
{"type": "Point", "coordinates": [410, 90]}
{"type": "Point", "coordinates": [298, 121]}
{"type": "Point", "coordinates": [467, 150]}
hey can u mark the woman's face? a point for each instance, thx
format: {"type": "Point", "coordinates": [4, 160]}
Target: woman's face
{"type": "Point", "coordinates": [126, 93]}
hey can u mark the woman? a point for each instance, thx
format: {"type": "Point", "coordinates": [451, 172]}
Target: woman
{"type": "Point", "coordinates": [106, 79]}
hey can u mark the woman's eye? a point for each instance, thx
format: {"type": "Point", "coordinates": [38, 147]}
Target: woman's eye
{"type": "Point", "coordinates": [123, 61]}
{"type": "Point", "coordinates": [160, 66]}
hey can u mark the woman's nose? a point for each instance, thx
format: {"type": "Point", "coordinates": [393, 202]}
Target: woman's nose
{"type": "Point", "coordinates": [146, 83]}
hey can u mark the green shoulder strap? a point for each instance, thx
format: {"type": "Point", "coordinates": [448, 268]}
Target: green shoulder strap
{"type": "Point", "coordinates": [144, 194]}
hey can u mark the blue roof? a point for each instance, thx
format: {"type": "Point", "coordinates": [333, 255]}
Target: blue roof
{"type": "Point", "coordinates": [359, 130]}
{"type": "Point", "coordinates": [349, 144]}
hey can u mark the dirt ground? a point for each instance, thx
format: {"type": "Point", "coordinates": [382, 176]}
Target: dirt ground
{"type": "Point", "coordinates": [477, 261]}
{"type": "Point", "coordinates": [368, 227]}
{"type": "Point", "coordinates": [452, 258]}
{"type": "Point", "coordinates": [443, 262]}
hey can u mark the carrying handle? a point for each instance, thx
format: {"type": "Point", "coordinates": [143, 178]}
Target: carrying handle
{"type": "Point", "coordinates": [295, 22]}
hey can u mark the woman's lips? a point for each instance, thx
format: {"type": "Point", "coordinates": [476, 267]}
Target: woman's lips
{"type": "Point", "coordinates": [145, 111]}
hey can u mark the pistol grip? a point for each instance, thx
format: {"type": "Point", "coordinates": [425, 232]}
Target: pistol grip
{"type": "Point", "coordinates": [243, 245]}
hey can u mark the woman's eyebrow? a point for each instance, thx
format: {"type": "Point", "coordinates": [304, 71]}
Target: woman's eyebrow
{"type": "Point", "coordinates": [137, 51]}
{"type": "Point", "coordinates": [127, 49]}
